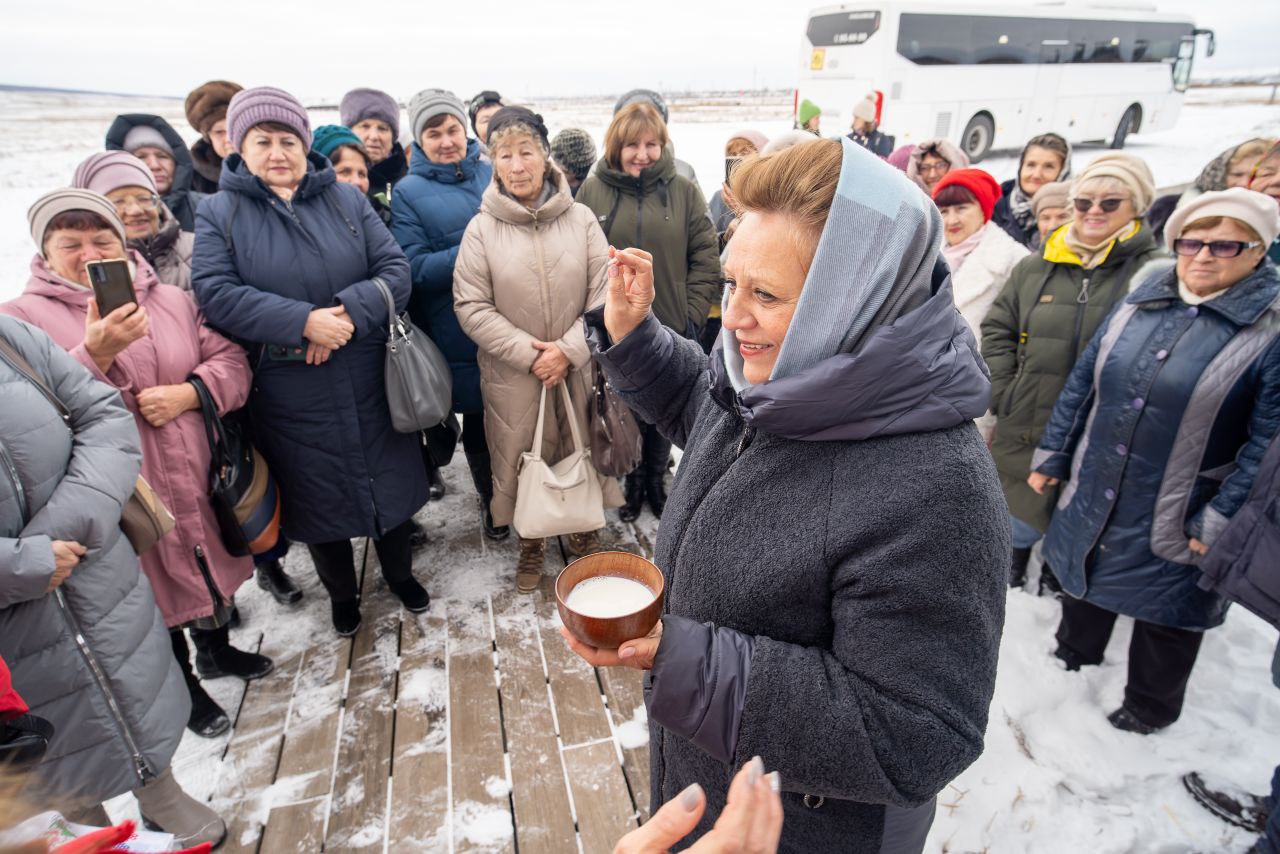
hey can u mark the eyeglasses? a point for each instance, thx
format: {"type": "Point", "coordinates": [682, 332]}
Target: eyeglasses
{"type": "Point", "coordinates": [1107, 205]}
{"type": "Point", "coordinates": [1217, 248]}
{"type": "Point", "coordinates": [930, 168]}
{"type": "Point", "coordinates": [148, 202]}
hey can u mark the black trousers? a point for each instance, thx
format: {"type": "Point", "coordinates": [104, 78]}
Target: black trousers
{"type": "Point", "coordinates": [336, 561]}
{"type": "Point", "coordinates": [1160, 658]}
{"type": "Point", "coordinates": [655, 452]}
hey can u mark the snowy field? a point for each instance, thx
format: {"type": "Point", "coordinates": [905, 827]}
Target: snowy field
{"type": "Point", "coordinates": [1056, 777]}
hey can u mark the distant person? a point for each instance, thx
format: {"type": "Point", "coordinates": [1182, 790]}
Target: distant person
{"type": "Point", "coordinates": [1045, 317]}
{"type": "Point", "coordinates": [809, 117]}
{"type": "Point", "coordinates": [866, 128]}
{"type": "Point", "coordinates": [153, 140]}
{"type": "Point", "coordinates": [150, 227]}
{"type": "Point", "coordinates": [900, 159]}
{"type": "Point", "coordinates": [206, 109]}
{"type": "Point", "coordinates": [786, 139]}
{"type": "Point", "coordinates": [1266, 179]}
{"type": "Point", "coordinates": [1231, 168]}
{"type": "Point", "coordinates": [351, 162]}
{"type": "Point", "coordinates": [574, 153]}
{"type": "Point", "coordinates": [1051, 206]}
{"type": "Point", "coordinates": [1182, 379]}
{"type": "Point", "coordinates": [480, 110]}
{"type": "Point", "coordinates": [932, 159]}
{"type": "Point", "coordinates": [1044, 160]}
{"type": "Point", "coordinates": [642, 96]}
{"type": "Point", "coordinates": [641, 202]}
{"type": "Point", "coordinates": [430, 211]}
{"type": "Point", "coordinates": [742, 143]}
{"type": "Point", "coordinates": [374, 117]}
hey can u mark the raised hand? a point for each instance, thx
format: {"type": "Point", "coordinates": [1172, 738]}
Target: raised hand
{"type": "Point", "coordinates": [107, 337]}
{"type": "Point", "coordinates": [630, 294]}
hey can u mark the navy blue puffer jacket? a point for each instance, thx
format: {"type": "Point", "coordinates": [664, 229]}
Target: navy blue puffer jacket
{"type": "Point", "coordinates": [430, 210]}
{"type": "Point", "coordinates": [1157, 437]}
{"type": "Point", "coordinates": [261, 266]}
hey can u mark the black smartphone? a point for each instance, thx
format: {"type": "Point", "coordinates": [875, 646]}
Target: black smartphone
{"type": "Point", "coordinates": [112, 284]}
{"type": "Point", "coordinates": [730, 163]}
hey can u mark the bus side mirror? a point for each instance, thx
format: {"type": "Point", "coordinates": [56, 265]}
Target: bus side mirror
{"type": "Point", "coordinates": [1211, 46]}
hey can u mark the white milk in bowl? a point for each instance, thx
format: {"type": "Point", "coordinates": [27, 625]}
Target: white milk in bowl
{"type": "Point", "coordinates": [608, 596]}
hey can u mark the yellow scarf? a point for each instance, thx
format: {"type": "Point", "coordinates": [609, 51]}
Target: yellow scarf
{"type": "Point", "coordinates": [1063, 247]}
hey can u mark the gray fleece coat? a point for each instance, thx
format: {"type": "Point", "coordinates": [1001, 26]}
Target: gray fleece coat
{"type": "Point", "coordinates": [92, 657]}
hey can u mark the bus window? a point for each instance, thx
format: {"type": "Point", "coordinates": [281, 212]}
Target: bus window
{"type": "Point", "coordinates": [1182, 66]}
{"type": "Point", "coordinates": [844, 28]}
{"type": "Point", "coordinates": [1006, 41]}
{"type": "Point", "coordinates": [935, 39]}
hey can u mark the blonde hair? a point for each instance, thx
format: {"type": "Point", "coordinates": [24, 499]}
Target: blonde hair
{"type": "Point", "coordinates": [798, 182]}
{"type": "Point", "coordinates": [629, 125]}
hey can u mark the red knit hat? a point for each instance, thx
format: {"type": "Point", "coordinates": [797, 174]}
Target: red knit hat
{"type": "Point", "coordinates": [983, 187]}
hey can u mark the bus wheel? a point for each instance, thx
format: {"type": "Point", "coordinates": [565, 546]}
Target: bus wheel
{"type": "Point", "coordinates": [1129, 123]}
{"type": "Point", "coordinates": [978, 135]}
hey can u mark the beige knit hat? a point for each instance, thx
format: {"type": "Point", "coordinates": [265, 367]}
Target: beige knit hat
{"type": "Point", "coordinates": [48, 206]}
{"type": "Point", "coordinates": [1256, 210]}
{"type": "Point", "coordinates": [1056, 194]}
{"type": "Point", "coordinates": [1131, 171]}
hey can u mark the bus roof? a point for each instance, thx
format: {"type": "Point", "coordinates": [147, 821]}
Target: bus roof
{"type": "Point", "coordinates": [1117, 10]}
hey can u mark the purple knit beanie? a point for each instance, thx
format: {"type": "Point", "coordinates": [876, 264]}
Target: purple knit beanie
{"type": "Point", "coordinates": [110, 170]}
{"type": "Point", "coordinates": [251, 107]}
{"type": "Point", "coordinates": [360, 104]}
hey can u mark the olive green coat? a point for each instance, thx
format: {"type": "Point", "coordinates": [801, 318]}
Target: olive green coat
{"type": "Point", "coordinates": [665, 215]}
{"type": "Point", "coordinates": [1037, 327]}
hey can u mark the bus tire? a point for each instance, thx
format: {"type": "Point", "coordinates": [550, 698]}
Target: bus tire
{"type": "Point", "coordinates": [978, 136]}
{"type": "Point", "coordinates": [1129, 123]}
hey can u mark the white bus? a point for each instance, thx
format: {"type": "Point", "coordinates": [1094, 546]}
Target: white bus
{"type": "Point", "coordinates": [989, 77]}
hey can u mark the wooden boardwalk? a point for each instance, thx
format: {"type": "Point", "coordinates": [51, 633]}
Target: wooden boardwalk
{"type": "Point", "coordinates": [468, 728]}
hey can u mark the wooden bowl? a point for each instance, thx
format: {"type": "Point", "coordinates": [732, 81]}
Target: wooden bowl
{"type": "Point", "coordinates": [610, 632]}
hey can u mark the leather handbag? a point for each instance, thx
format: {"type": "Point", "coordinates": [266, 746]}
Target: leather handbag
{"type": "Point", "coordinates": [244, 495]}
{"type": "Point", "coordinates": [564, 498]}
{"type": "Point", "coordinates": [616, 441]}
{"type": "Point", "coordinates": [144, 519]}
{"type": "Point", "coordinates": [419, 382]}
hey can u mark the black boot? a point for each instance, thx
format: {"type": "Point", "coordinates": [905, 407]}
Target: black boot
{"type": "Point", "coordinates": [1229, 803]}
{"type": "Point", "coordinates": [655, 492]}
{"type": "Point", "coordinates": [634, 495]}
{"type": "Point", "coordinates": [272, 578]}
{"type": "Point", "coordinates": [207, 719]}
{"type": "Point", "coordinates": [1018, 559]}
{"type": "Point", "coordinates": [435, 484]}
{"type": "Point", "coordinates": [482, 477]}
{"type": "Point", "coordinates": [411, 594]}
{"type": "Point", "coordinates": [216, 657]}
{"type": "Point", "coordinates": [1123, 719]}
{"type": "Point", "coordinates": [346, 617]}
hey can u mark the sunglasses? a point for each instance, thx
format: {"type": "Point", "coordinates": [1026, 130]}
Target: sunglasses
{"type": "Point", "coordinates": [1107, 205]}
{"type": "Point", "coordinates": [1217, 248]}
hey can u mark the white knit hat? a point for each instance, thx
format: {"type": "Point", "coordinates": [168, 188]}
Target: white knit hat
{"type": "Point", "coordinates": [1256, 210]}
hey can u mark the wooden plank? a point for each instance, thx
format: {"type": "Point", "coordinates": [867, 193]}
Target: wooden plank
{"type": "Point", "coordinates": [600, 796]}
{"type": "Point", "coordinates": [579, 708]}
{"type": "Point", "coordinates": [295, 827]}
{"type": "Point", "coordinates": [624, 691]}
{"type": "Point", "coordinates": [479, 798]}
{"type": "Point", "coordinates": [357, 812]}
{"type": "Point", "coordinates": [419, 785]}
{"type": "Point", "coordinates": [543, 816]}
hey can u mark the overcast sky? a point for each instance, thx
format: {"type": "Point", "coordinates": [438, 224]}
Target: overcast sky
{"type": "Point", "coordinates": [320, 49]}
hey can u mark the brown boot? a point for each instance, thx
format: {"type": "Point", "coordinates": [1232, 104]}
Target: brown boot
{"type": "Point", "coordinates": [164, 806]}
{"type": "Point", "coordinates": [584, 543]}
{"type": "Point", "coordinates": [529, 564]}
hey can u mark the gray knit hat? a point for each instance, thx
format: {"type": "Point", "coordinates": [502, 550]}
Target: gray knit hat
{"type": "Point", "coordinates": [430, 103]}
{"type": "Point", "coordinates": [145, 136]}
{"type": "Point", "coordinates": [251, 107]}
{"type": "Point", "coordinates": [574, 150]}
{"type": "Point", "coordinates": [48, 206]}
{"type": "Point", "coordinates": [643, 96]}
{"type": "Point", "coordinates": [360, 104]}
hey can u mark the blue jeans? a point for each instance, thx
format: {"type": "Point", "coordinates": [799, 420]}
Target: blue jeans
{"type": "Point", "coordinates": [1024, 536]}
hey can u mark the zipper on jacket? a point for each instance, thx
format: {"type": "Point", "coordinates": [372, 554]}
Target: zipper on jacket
{"type": "Point", "coordinates": [203, 565]}
{"type": "Point", "coordinates": [18, 489]}
{"type": "Point", "coordinates": [747, 435]}
{"type": "Point", "coordinates": [1082, 303]}
{"type": "Point", "coordinates": [140, 766]}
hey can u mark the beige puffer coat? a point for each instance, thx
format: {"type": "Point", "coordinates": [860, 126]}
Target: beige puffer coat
{"type": "Point", "coordinates": [523, 276]}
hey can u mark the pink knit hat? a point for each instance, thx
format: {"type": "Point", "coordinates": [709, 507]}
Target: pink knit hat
{"type": "Point", "coordinates": [110, 170]}
{"type": "Point", "coordinates": [251, 107]}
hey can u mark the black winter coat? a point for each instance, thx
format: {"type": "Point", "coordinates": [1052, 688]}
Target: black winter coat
{"type": "Point", "coordinates": [182, 197]}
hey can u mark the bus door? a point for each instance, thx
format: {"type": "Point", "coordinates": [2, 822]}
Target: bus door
{"type": "Point", "coordinates": [1044, 101]}
{"type": "Point", "coordinates": [1182, 65]}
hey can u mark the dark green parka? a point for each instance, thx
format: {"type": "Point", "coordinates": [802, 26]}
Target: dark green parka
{"type": "Point", "coordinates": [1038, 326]}
{"type": "Point", "coordinates": [665, 215]}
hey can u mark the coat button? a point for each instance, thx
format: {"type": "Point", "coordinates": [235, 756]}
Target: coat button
{"type": "Point", "coordinates": [1121, 449]}
{"type": "Point", "coordinates": [1110, 495]}
{"type": "Point", "coordinates": [1193, 311]}
{"type": "Point", "coordinates": [1161, 355]}
{"type": "Point", "coordinates": [1138, 403]}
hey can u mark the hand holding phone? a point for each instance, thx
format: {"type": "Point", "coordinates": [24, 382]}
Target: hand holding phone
{"type": "Point", "coordinates": [106, 337]}
{"type": "Point", "coordinates": [112, 284]}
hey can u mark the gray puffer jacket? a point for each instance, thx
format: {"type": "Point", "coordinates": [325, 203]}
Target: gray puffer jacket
{"type": "Point", "coordinates": [835, 548]}
{"type": "Point", "coordinates": [93, 656]}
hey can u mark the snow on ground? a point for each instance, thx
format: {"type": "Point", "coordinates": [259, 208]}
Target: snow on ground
{"type": "Point", "coordinates": [1055, 776]}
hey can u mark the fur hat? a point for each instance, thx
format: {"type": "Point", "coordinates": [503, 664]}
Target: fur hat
{"type": "Point", "coordinates": [207, 104]}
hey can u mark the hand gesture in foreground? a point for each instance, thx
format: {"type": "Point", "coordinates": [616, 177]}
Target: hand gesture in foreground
{"type": "Point", "coordinates": [630, 293]}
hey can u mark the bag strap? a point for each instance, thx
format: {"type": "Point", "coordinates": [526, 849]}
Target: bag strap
{"type": "Point", "coordinates": [214, 430]}
{"type": "Point", "coordinates": [22, 366]}
{"type": "Point", "coordinates": [391, 306]}
{"type": "Point", "coordinates": [537, 433]}
{"type": "Point", "coordinates": [573, 419]}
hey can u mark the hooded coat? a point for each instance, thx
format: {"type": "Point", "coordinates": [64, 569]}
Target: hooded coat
{"type": "Point", "coordinates": [262, 265]}
{"type": "Point", "coordinates": [207, 166]}
{"type": "Point", "coordinates": [665, 215]}
{"type": "Point", "coordinates": [1032, 335]}
{"type": "Point", "coordinates": [430, 210]}
{"type": "Point", "coordinates": [1004, 214]}
{"type": "Point", "coordinates": [1157, 438]}
{"type": "Point", "coordinates": [182, 197]}
{"type": "Point", "coordinates": [945, 149]}
{"type": "Point", "coordinates": [92, 657]}
{"type": "Point", "coordinates": [785, 593]}
{"type": "Point", "coordinates": [191, 573]}
{"type": "Point", "coordinates": [522, 276]}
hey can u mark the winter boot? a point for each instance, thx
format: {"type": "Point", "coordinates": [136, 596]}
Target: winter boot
{"type": "Point", "coordinates": [411, 594]}
{"type": "Point", "coordinates": [207, 719]}
{"type": "Point", "coordinates": [1018, 559]}
{"type": "Point", "coordinates": [418, 537]}
{"type": "Point", "coordinates": [529, 564]}
{"type": "Point", "coordinates": [482, 477]}
{"type": "Point", "coordinates": [1123, 719]}
{"type": "Point", "coordinates": [165, 807]}
{"type": "Point", "coordinates": [1049, 585]}
{"type": "Point", "coordinates": [634, 497]}
{"type": "Point", "coordinates": [216, 657]}
{"type": "Point", "coordinates": [657, 453]}
{"type": "Point", "coordinates": [1239, 808]}
{"type": "Point", "coordinates": [435, 484]}
{"type": "Point", "coordinates": [271, 577]}
{"type": "Point", "coordinates": [583, 544]}
{"type": "Point", "coordinates": [346, 617]}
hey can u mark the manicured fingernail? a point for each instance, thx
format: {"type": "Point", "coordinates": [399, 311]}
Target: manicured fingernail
{"type": "Point", "coordinates": [754, 770]}
{"type": "Point", "coordinates": [628, 652]}
{"type": "Point", "coordinates": [690, 797]}
{"type": "Point", "coordinates": [775, 782]}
